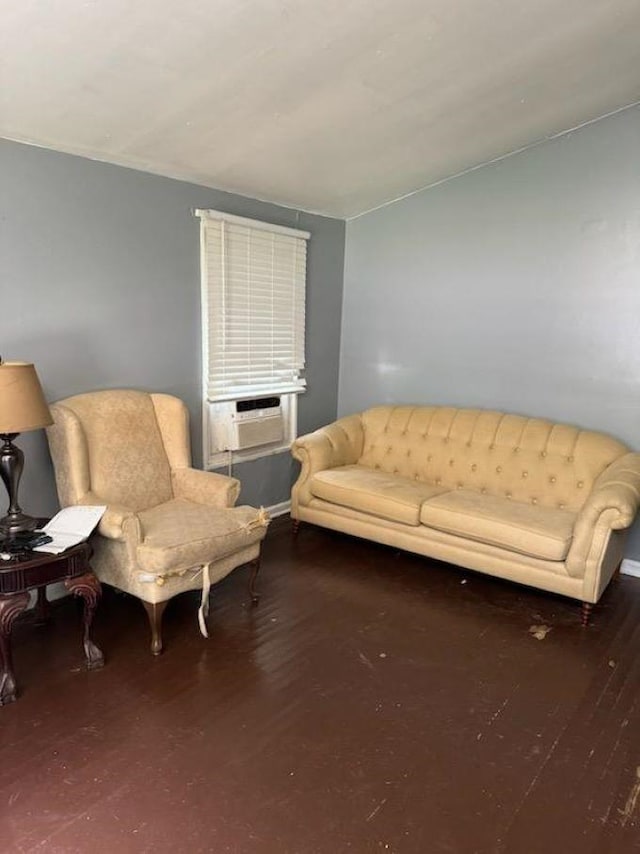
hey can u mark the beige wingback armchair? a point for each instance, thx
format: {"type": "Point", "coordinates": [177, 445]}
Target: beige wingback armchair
{"type": "Point", "coordinates": [168, 527]}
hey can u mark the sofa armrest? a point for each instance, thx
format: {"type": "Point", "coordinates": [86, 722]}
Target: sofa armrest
{"type": "Point", "coordinates": [205, 487]}
{"type": "Point", "coordinates": [337, 444]}
{"type": "Point", "coordinates": [617, 488]}
{"type": "Point", "coordinates": [611, 506]}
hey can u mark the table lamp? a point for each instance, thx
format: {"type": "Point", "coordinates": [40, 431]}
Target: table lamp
{"type": "Point", "coordinates": [22, 408]}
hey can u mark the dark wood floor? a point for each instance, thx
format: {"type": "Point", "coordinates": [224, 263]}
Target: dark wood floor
{"type": "Point", "coordinates": [373, 701]}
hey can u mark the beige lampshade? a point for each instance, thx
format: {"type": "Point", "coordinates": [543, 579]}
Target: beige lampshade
{"type": "Point", "coordinates": [22, 403]}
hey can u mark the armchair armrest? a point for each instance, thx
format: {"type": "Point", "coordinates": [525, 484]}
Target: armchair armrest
{"type": "Point", "coordinates": [338, 444]}
{"type": "Point", "coordinates": [118, 522]}
{"type": "Point", "coordinates": [611, 506]}
{"type": "Point", "coordinates": [205, 487]}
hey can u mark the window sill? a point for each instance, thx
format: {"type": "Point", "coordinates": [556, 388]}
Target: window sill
{"type": "Point", "coordinates": [227, 459]}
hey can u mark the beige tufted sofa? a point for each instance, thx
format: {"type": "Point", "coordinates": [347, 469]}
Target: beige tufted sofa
{"type": "Point", "coordinates": [543, 504]}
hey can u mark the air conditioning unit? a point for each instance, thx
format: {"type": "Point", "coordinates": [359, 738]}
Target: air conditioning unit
{"type": "Point", "coordinates": [241, 424]}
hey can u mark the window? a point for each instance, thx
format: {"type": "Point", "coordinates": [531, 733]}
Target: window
{"type": "Point", "coordinates": [253, 319]}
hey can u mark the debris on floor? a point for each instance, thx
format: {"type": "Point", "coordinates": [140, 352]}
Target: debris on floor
{"type": "Point", "coordinates": [539, 632]}
{"type": "Point", "coordinates": [632, 800]}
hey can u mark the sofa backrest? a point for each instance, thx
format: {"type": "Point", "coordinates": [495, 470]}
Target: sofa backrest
{"type": "Point", "coordinates": [526, 459]}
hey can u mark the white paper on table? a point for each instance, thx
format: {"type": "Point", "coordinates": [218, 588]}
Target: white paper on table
{"type": "Point", "coordinates": [71, 526]}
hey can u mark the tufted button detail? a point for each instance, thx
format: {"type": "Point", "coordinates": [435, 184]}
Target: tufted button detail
{"type": "Point", "coordinates": [409, 452]}
{"type": "Point", "coordinates": [446, 440]}
{"type": "Point", "coordinates": [570, 459]}
{"type": "Point", "coordinates": [395, 471]}
{"type": "Point", "coordinates": [451, 462]}
{"type": "Point", "coordinates": [460, 485]}
{"type": "Point", "coordinates": [543, 454]}
{"type": "Point", "coordinates": [561, 506]}
{"type": "Point", "coordinates": [438, 481]}
{"type": "Point", "coordinates": [416, 476]}
{"type": "Point", "coordinates": [491, 447]}
{"type": "Point", "coordinates": [525, 474]}
{"type": "Point", "coordinates": [484, 490]}
{"type": "Point", "coordinates": [389, 449]}
{"type": "Point", "coordinates": [508, 494]}
{"type": "Point", "coordinates": [498, 469]}
{"type": "Point", "coordinates": [376, 466]}
{"type": "Point", "coordinates": [534, 500]}
{"type": "Point", "coordinates": [516, 450]}
{"type": "Point", "coordinates": [552, 479]}
{"type": "Point", "coordinates": [474, 467]}
{"type": "Point", "coordinates": [429, 458]}
{"type": "Point", "coordinates": [580, 484]}
{"type": "Point", "coordinates": [424, 435]}
{"type": "Point", "coordinates": [468, 444]}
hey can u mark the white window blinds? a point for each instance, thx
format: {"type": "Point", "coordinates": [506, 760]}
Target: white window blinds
{"type": "Point", "coordinates": [253, 306]}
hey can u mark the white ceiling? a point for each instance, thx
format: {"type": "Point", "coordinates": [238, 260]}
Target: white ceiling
{"type": "Point", "coordinates": [334, 106]}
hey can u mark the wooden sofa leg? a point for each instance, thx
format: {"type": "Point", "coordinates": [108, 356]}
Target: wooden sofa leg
{"type": "Point", "coordinates": [255, 569]}
{"type": "Point", "coordinates": [295, 524]}
{"type": "Point", "coordinates": [587, 609]}
{"type": "Point", "coordinates": [155, 610]}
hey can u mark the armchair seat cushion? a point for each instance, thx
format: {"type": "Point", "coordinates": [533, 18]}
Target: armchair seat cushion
{"type": "Point", "coordinates": [180, 534]}
{"type": "Point", "coordinates": [540, 532]}
{"type": "Point", "coordinates": [383, 494]}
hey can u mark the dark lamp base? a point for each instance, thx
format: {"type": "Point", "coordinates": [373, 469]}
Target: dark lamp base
{"type": "Point", "coordinates": [11, 465]}
{"type": "Point", "coordinates": [14, 523]}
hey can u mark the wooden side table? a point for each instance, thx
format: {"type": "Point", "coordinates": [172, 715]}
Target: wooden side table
{"type": "Point", "coordinates": [33, 571]}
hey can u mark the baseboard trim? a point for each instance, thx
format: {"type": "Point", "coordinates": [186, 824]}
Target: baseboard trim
{"type": "Point", "coordinates": [279, 509]}
{"type": "Point", "coordinates": [630, 567]}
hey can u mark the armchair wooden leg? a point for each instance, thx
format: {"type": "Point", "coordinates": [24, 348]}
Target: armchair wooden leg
{"type": "Point", "coordinates": [155, 610]}
{"type": "Point", "coordinates": [255, 569]}
{"type": "Point", "coordinates": [295, 525]}
{"type": "Point", "coordinates": [587, 609]}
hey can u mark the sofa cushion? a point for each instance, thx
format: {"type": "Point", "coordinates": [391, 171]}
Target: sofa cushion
{"type": "Point", "coordinates": [389, 496]}
{"type": "Point", "coordinates": [524, 528]}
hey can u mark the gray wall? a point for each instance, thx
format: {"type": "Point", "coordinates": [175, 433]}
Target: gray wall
{"type": "Point", "coordinates": [516, 287]}
{"type": "Point", "coordinates": [100, 288]}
